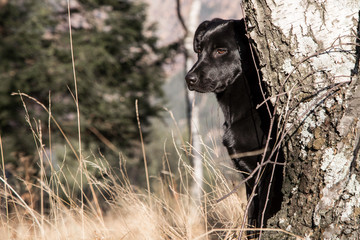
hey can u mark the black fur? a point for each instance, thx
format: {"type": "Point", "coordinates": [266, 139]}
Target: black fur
{"type": "Point", "coordinates": [226, 67]}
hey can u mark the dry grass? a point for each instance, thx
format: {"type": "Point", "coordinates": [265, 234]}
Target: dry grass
{"type": "Point", "coordinates": [168, 213]}
{"type": "Point", "coordinates": [166, 210]}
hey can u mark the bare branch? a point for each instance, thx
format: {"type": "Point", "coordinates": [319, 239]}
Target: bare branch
{"type": "Point", "coordinates": [181, 19]}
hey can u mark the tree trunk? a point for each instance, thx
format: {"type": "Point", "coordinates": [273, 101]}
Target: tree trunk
{"type": "Point", "coordinates": [192, 109]}
{"type": "Point", "coordinates": [307, 52]}
{"type": "Point", "coordinates": [194, 116]}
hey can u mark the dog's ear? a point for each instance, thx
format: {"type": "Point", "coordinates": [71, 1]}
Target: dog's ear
{"type": "Point", "coordinates": [199, 34]}
{"type": "Point", "coordinates": [202, 28]}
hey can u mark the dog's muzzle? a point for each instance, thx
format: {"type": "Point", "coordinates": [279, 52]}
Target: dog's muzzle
{"type": "Point", "coordinates": [191, 80]}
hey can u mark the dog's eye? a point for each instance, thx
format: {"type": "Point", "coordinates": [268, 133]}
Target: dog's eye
{"type": "Point", "coordinates": [221, 51]}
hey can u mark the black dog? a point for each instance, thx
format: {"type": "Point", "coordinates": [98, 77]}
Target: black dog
{"type": "Point", "coordinates": [226, 67]}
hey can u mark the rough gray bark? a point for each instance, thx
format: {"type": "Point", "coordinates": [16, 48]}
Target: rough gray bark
{"type": "Point", "coordinates": [307, 52]}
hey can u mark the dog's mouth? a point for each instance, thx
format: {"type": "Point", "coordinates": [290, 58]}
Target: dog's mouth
{"type": "Point", "coordinates": [204, 86]}
{"type": "Point", "coordinates": [197, 89]}
{"type": "Point", "coordinates": [215, 88]}
{"type": "Point", "coordinates": [220, 89]}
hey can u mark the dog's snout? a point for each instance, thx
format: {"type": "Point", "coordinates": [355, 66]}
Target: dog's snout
{"type": "Point", "coordinates": [191, 79]}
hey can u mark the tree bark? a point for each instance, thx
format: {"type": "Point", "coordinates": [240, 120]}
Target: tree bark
{"type": "Point", "coordinates": [307, 53]}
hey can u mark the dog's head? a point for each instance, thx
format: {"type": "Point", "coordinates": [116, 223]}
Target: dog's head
{"type": "Point", "coordinates": [218, 44]}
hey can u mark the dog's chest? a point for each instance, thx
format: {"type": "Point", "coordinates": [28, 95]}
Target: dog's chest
{"type": "Point", "coordinates": [243, 135]}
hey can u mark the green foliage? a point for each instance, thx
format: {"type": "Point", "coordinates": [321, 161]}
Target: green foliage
{"type": "Point", "coordinates": [116, 60]}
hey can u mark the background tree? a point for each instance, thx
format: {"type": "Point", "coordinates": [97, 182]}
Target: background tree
{"type": "Point", "coordinates": [117, 61]}
{"type": "Point", "coordinates": [309, 56]}
{"type": "Point", "coordinates": [192, 108]}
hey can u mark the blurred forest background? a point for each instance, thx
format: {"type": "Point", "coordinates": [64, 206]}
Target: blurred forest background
{"type": "Point", "coordinates": [124, 51]}
{"type": "Point", "coordinates": [117, 61]}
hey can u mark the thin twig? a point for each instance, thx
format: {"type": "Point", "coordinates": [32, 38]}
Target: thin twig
{"type": "Point", "coordinates": [236, 188]}
{"type": "Point", "coordinates": [255, 63]}
{"type": "Point", "coordinates": [178, 131]}
{"type": "Point", "coordinates": [250, 229]}
{"type": "Point", "coordinates": [78, 119]}
{"type": "Point", "coordinates": [247, 154]}
{"type": "Point", "coordinates": [269, 188]}
{"type": "Point", "coordinates": [52, 118]}
{"type": "Point", "coordinates": [5, 187]}
{"type": "Point", "coordinates": [102, 138]}
{"type": "Point", "coordinates": [181, 19]}
{"type": "Point", "coordinates": [42, 171]}
{"type": "Point", "coordinates": [31, 211]}
{"type": "Point", "coordinates": [143, 149]}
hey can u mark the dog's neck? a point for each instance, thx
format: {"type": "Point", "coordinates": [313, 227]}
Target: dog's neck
{"type": "Point", "coordinates": [236, 101]}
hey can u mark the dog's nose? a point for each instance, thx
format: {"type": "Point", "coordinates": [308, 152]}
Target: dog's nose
{"type": "Point", "coordinates": [191, 79]}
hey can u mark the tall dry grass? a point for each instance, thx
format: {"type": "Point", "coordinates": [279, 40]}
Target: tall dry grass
{"type": "Point", "coordinates": [165, 210]}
